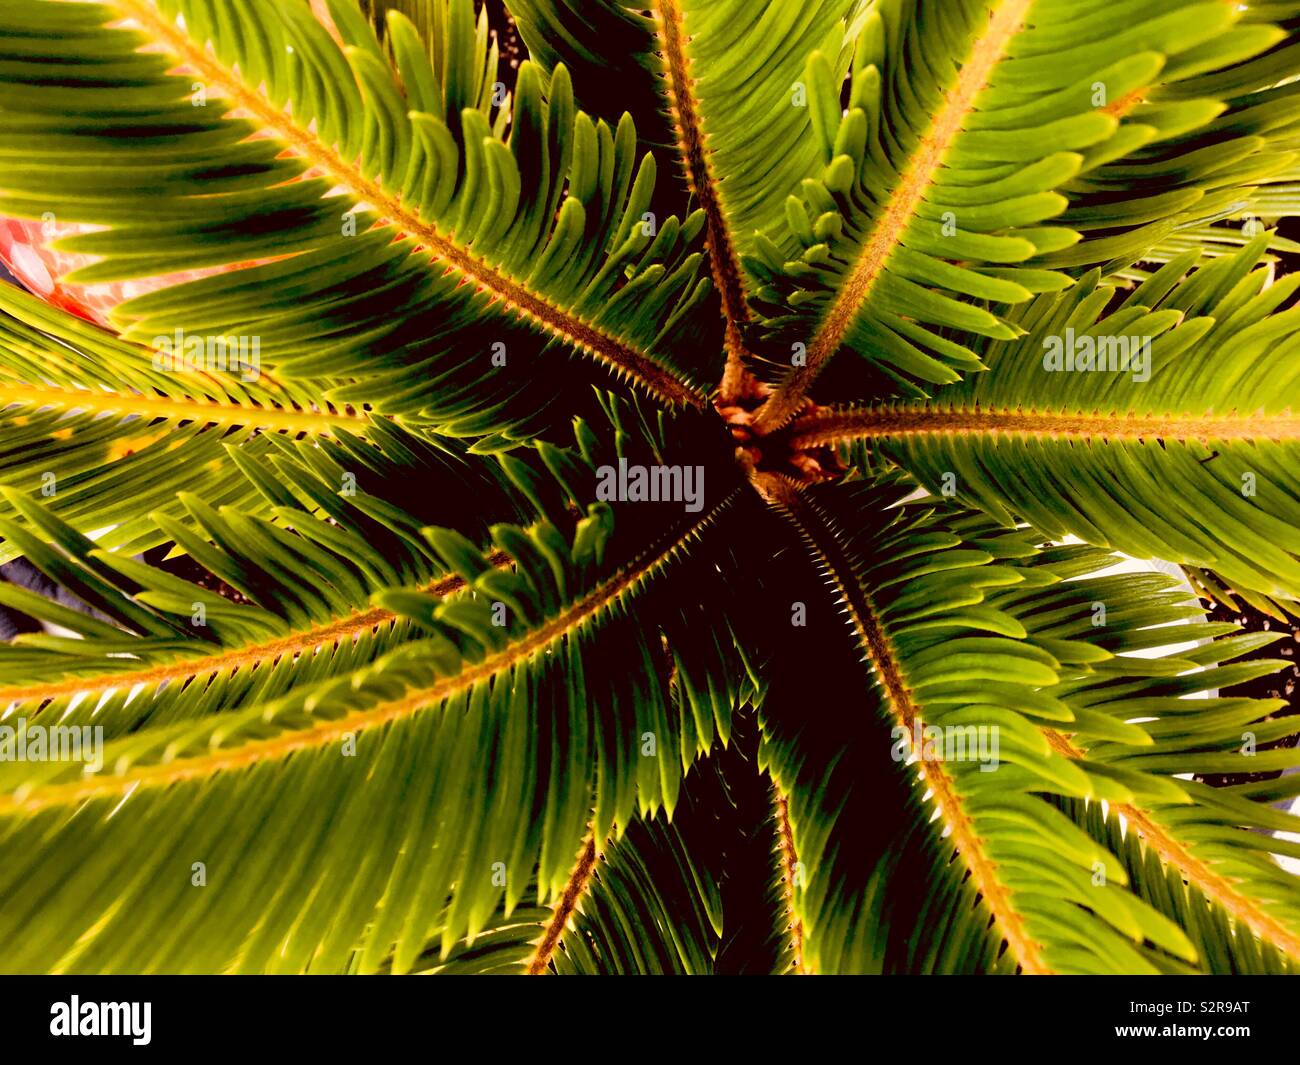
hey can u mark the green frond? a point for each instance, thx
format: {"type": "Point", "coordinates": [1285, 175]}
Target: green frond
{"type": "Point", "coordinates": [686, 73]}
{"type": "Point", "coordinates": [605, 41]}
{"type": "Point", "coordinates": [858, 818]}
{"type": "Point", "coordinates": [968, 129]}
{"type": "Point", "coordinates": [88, 421]}
{"type": "Point", "coordinates": [697, 894]}
{"type": "Point", "coordinates": [1222, 945]}
{"type": "Point", "coordinates": [964, 628]}
{"type": "Point", "coordinates": [154, 646]}
{"type": "Point", "coordinates": [1212, 138]}
{"type": "Point", "coordinates": [1183, 452]}
{"type": "Point", "coordinates": [520, 679]}
{"type": "Point", "coordinates": [742, 145]}
{"type": "Point", "coordinates": [694, 892]}
{"type": "Point", "coordinates": [343, 512]}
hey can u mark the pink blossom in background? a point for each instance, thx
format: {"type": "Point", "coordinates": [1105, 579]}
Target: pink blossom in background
{"type": "Point", "coordinates": [26, 253]}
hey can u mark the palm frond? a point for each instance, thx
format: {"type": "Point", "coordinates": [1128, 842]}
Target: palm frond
{"type": "Point", "coordinates": [350, 623]}
{"type": "Point", "coordinates": [742, 147]}
{"type": "Point", "coordinates": [1222, 946]}
{"type": "Point", "coordinates": [965, 627]}
{"type": "Point", "coordinates": [965, 129]}
{"type": "Point", "coordinates": [695, 894]}
{"type": "Point", "coordinates": [1184, 456]}
{"type": "Point", "coordinates": [521, 682]}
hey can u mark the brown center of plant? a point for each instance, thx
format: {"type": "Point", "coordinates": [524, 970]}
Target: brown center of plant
{"type": "Point", "coordinates": [774, 452]}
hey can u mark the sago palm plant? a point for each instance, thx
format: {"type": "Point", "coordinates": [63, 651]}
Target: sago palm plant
{"type": "Point", "coordinates": [675, 536]}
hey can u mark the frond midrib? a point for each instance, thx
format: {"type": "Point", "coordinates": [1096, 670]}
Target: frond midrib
{"type": "Point", "coordinates": [831, 426]}
{"type": "Point", "coordinates": [1195, 871]}
{"type": "Point", "coordinates": [574, 889]}
{"type": "Point", "coordinates": [561, 324]}
{"type": "Point", "coordinates": [789, 868]}
{"type": "Point", "coordinates": [251, 655]}
{"type": "Point", "coordinates": [180, 409]}
{"type": "Point", "coordinates": [697, 162]}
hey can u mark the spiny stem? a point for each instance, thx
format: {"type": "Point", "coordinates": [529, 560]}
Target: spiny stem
{"type": "Point", "coordinates": [572, 328]}
{"type": "Point", "coordinates": [251, 656]}
{"type": "Point", "coordinates": [203, 412]}
{"type": "Point", "coordinates": [786, 496]}
{"type": "Point", "coordinates": [789, 873]}
{"type": "Point", "coordinates": [697, 162]}
{"type": "Point", "coordinates": [830, 426]}
{"type": "Point", "coordinates": [564, 908]}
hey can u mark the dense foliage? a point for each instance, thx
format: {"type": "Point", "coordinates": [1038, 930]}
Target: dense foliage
{"type": "Point", "coordinates": [680, 535]}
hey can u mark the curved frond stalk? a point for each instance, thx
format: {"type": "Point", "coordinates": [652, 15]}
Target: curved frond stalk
{"type": "Point", "coordinates": [564, 908]}
{"type": "Point", "coordinates": [785, 495]}
{"type": "Point", "coordinates": [556, 321]}
{"type": "Point", "coordinates": [292, 202]}
{"type": "Point", "coordinates": [789, 875]}
{"type": "Point", "coordinates": [358, 542]}
{"type": "Point", "coordinates": [898, 212]}
{"type": "Point", "coordinates": [198, 412]}
{"type": "Point", "coordinates": [1197, 873]}
{"type": "Point", "coordinates": [831, 427]}
{"type": "Point", "coordinates": [697, 162]}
